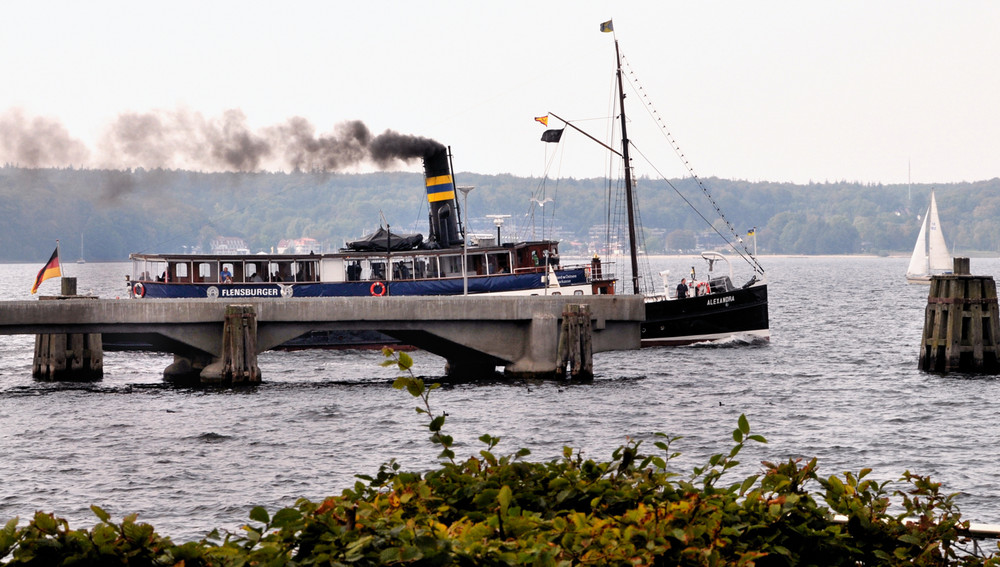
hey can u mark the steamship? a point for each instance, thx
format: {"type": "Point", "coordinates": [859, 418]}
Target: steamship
{"type": "Point", "coordinates": [381, 264]}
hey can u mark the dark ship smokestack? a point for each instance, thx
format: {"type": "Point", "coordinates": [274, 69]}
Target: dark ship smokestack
{"type": "Point", "coordinates": [441, 200]}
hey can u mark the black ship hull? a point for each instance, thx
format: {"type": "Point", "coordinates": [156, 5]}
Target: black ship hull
{"type": "Point", "coordinates": [740, 313]}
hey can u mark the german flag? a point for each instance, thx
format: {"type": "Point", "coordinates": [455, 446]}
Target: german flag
{"type": "Point", "coordinates": [49, 270]}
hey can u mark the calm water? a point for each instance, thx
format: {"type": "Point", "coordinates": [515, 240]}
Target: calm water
{"type": "Point", "coordinates": [839, 381]}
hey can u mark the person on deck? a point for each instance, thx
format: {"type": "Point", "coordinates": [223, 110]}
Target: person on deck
{"type": "Point", "coordinates": [226, 276]}
{"type": "Point", "coordinates": [682, 289]}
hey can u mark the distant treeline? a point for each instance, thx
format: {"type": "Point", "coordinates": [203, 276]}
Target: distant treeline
{"type": "Point", "coordinates": [118, 212]}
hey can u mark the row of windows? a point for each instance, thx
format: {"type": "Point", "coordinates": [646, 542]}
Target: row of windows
{"type": "Point", "coordinates": [355, 269]}
{"type": "Point", "coordinates": [225, 272]}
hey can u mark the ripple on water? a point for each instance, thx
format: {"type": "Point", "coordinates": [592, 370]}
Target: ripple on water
{"type": "Point", "coordinates": [838, 381]}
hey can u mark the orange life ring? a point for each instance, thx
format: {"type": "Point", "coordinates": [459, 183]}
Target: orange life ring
{"type": "Point", "coordinates": [381, 289]}
{"type": "Point", "coordinates": [138, 289]}
{"type": "Point", "coordinates": [703, 288]}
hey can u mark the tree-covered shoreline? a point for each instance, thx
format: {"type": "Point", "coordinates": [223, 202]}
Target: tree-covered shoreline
{"type": "Point", "coordinates": [115, 213]}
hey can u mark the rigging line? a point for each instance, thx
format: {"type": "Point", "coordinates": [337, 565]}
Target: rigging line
{"type": "Point", "coordinates": [747, 257]}
{"type": "Point", "coordinates": [538, 195]}
{"type": "Point", "coordinates": [641, 92]}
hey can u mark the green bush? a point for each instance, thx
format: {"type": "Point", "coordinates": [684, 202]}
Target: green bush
{"type": "Point", "coordinates": [503, 510]}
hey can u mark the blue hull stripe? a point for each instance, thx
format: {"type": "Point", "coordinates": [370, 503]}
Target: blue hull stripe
{"type": "Point", "coordinates": [451, 286]}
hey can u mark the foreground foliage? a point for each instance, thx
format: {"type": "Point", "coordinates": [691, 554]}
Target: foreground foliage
{"type": "Point", "coordinates": [502, 510]}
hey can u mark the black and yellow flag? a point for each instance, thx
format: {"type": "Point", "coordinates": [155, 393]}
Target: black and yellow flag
{"type": "Point", "coordinates": [607, 27]}
{"type": "Point", "coordinates": [49, 270]}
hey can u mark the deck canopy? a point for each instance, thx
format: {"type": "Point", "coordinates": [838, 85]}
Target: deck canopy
{"type": "Point", "coordinates": [383, 239]}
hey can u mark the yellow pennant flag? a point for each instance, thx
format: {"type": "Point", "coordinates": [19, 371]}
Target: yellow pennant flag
{"type": "Point", "coordinates": [543, 119]}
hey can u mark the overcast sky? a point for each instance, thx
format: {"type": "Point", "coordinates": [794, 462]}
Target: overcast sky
{"type": "Point", "coordinates": [871, 91]}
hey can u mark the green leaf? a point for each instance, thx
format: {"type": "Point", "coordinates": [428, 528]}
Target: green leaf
{"type": "Point", "coordinates": [286, 517]}
{"type": "Point", "coordinates": [436, 423]}
{"type": "Point", "coordinates": [259, 514]}
{"type": "Point", "coordinates": [46, 523]}
{"type": "Point", "coordinates": [504, 497]}
{"type": "Point", "coordinates": [415, 388]}
{"type": "Point", "coordinates": [405, 362]}
{"type": "Point", "coordinates": [744, 424]}
{"type": "Point", "coordinates": [100, 513]}
{"type": "Point", "coordinates": [747, 483]}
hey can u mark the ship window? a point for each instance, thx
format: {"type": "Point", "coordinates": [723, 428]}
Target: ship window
{"type": "Point", "coordinates": [207, 272]}
{"type": "Point", "coordinates": [477, 264]}
{"type": "Point", "coordinates": [307, 271]}
{"type": "Point", "coordinates": [499, 262]}
{"type": "Point", "coordinates": [236, 274]}
{"type": "Point", "coordinates": [433, 270]}
{"type": "Point", "coordinates": [402, 270]}
{"type": "Point", "coordinates": [281, 271]}
{"type": "Point", "coordinates": [353, 270]}
{"type": "Point", "coordinates": [451, 266]}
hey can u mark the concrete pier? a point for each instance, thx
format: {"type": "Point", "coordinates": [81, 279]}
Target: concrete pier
{"type": "Point", "coordinates": [474, 334]}
{"type": "Point", "coordinates": [961, 323]}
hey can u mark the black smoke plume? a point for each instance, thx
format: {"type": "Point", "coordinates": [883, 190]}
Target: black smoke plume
{"type": "Point", "coordinates": [38, 142]}
{"type": "Point", "coordinates": [183, 139]}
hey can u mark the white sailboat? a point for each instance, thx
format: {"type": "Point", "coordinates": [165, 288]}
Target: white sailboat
{"type": "Point", "coordinates": [930, 254]}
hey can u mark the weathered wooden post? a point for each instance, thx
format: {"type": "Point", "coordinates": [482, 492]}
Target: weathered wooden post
{"type": "Point", "coordinates": [575, 345]}
{"type": "Point", "coordinates": [239, 345]}
{"type": "Point", "coordinates": [68, 356]}
{"type": "Point", "coordinates": [961, 324]}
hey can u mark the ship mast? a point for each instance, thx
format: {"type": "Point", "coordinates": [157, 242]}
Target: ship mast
{"type": "Point", "coordinates": [633, 254]}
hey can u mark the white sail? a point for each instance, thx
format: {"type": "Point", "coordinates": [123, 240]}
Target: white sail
{"type": "Point", "coordinates": [937, 251]}
{"type": "Point", "coordinates": [918, 261]}
{"type": "Point", "coordinates": [930, 253]}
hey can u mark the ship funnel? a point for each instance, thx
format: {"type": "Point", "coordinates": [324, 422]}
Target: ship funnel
{"type": "Point", "coordinates": [441, 200]}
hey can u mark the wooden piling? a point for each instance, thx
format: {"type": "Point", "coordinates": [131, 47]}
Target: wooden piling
{"type": "Point", "coordinates": [239, 345]}
{"type": "Point", "coordinates": [575, 348]}
{"type": "Point", "coordinates": [961, 324]}
{"type": "Point", "coordinates": [68, 356]}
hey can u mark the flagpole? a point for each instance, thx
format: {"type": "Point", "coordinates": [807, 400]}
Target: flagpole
{"type": "Point", "coordinates": [616, 152]}
{"type": "Point", "coordinates": [59, 257]}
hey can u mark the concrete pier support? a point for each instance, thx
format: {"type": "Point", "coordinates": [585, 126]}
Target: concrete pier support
{"type": "Point", "coordinates": [542, 341]}
{"type": "Point", "coordinates": [187, 368]}
{"type": "Point", "coordinates": [68, 356]}
{"type": "Point", "coordinates": [961, 324]}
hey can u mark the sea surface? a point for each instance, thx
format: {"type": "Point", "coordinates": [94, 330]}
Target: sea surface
{"type": "Point", "coordinates": [838, 381]}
